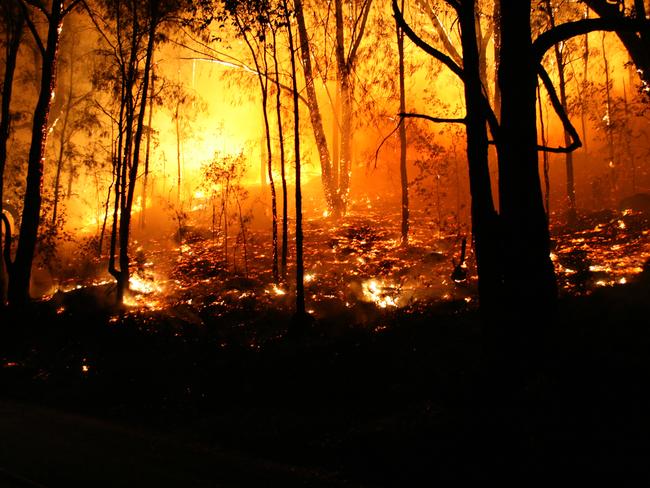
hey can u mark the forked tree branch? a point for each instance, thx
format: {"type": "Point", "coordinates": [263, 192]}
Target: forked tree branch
{"type": "Point", "coordinates": [427, 48]}
{"type": "Point", "coordinates": [559, 110]}
{"type": "Point", "coordinates": [566, 31]}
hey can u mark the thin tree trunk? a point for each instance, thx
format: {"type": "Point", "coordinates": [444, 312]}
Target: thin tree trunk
{"type": "Point", "coordinates": [547, 181]}
{"type": "Point", "coordinates": [178, 152]}
{"type": "Point", "coordinates": [20, 271]}
{"type": "Point", "coordinates": [609, 123]}
{"type": "Point", "coordinates": [224, 212]}
{"type": "Point", "coordinates": [585, 77]}
{"type": "Point", "coordinates": [496, 16]}
{"type": "Point", "coordinates": [628, 145]}
{"type": "Point", "coordinates": [242, 226]}
{"type": "Point", "coordinates": [125, 213]}
{"type": "Point", "coordinates": [14, 36]}
{"type": "Point", "coordinates": [300, 270]}
{"type": "Point", "coordinates": [62, 140]}
{"type": "Point", "coordinates": [314, 113]}
{"type": "Point", "coordinates": [106, 206]}
{"type": "Point", "coordinates": [123, 162]}
{"type": "Point", "coordinates": [336, 136]}
{"type": "Point", "coordinates": [278, 106]}
{"type": "Point", "coordinates": [572, 215]}
{"type": "Point", "coordinates": [402, 137]}
{"type": "Point", "coordinates": [145, 180]}
{"type": "Point", "coordinates": [263, 80]}
{"type": "Point", "coordinates": [343, 76]}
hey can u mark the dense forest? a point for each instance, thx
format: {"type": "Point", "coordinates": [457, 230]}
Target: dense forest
{"type": "Point", "coordinates": [220, 212]}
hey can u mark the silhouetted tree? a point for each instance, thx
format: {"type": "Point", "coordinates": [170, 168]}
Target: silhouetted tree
{"type": "Point", "coordinates": [404, 184]}
{"type": "Point", "coordinates": [252, 20]}
{"type": "Point", "coordinates": [332, 197]}
{"type": "Point", "coordinates": [516, 276]}
{"type": "Point", "coordinates": [130, 30]}
{"type": "Point", "coordinates": [13, 20]}
{"type": "Point", "coordinates": [19, 270]}
{"type": "Point", "coordinates": [301, 314]}
{"type": "Point", "coordinates": [637, 43]}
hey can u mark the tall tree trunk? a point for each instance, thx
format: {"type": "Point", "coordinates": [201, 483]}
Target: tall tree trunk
{"type": "Point", "coordinates": [545, 158]}
{"type": "Point", "coordinates": [628, 145]}
{"type": "Point", "coordinates": [343, 81]}
{"type": "Point", "coordinates": [637, 45]}
{"type": "Point", "coordinates": [572, 215]}
{"type": "Point", "coordinates": [484, 216]}
{"type": "Point", "coordinates": [336, 136]}
{"type": "Point", "coordinates": [262, 77]}
{"type": "Point", "coordinates": [345, 165]}
{"type": "Point", "coordinates": [123, 161]}
{"type": "Point", "coordinates": [613, 173]}
{"type": "Point", "coordinates": [178, 152]}
{"type": "Point", "coordinates": [583, 87]}
{"type": "Point", "coordinates": [20, 271]}
{"type": "Point", "coordinates": [145, 180]}
{"type": "Point", "coordinates": [14, 36]}
{"type": "Point", "coordinates": [528, 272]}
{"type": "Point", "coordinates": [63, 139]}
{"type": "Point", "coordinates": [300, 265]}
{"type": "Point", "coordinates": [125, 213]}
{"type": "Point", "coordinates": [274, 200]}
{"type": "Point", "coordinates": [278, 106]}
{"type": "Point", "coordinates": [496, 16]}
{"type": "Point", "coordinates": [331, 197]}
{"type": "Point", "coordinates": [402, 137]}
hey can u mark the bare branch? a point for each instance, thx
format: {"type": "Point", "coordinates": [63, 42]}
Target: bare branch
{"type": "Point", "coordinates": [70, 7]}
{"type": "Point", "coordinates": [566, 31]}
{"type": "Point", "coordinates": [106, 112]}
{"type": "Point", "coordinates": [32, 29]}
{"type": "Point", "coordinates": [440, 56]}
{"type": "Point", "coordinates": [442, 32]}
{"type": "Point", "coordinates": [37, 5]}
{"type": "Point", "coordinates": [440, 120]}
{"type": "Point", "coordinates": [100, 30]}
{"type": "Point", "coordinates": [357, 36]}
{"type": "Point", "coordinates": [455, 4]}
{"type": "Point", "coordinates": [383, 141]}
{"type": "Point", "coordinates": [566, 123]}
{"type": "Point", "coordinates": [6, 255]}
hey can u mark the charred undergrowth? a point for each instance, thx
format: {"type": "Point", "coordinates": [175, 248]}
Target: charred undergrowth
{"type": "Point", "coordinates": [403, 397]}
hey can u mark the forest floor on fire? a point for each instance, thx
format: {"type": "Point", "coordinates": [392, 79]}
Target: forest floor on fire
{"type": "Point", "coordinates": [204, 387]}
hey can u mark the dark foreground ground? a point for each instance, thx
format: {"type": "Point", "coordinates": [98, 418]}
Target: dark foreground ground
{"type": "Point", "coordinates": [94, 399]}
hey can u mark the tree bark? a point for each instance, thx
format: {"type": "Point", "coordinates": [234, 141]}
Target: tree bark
{"type": "Point", "coordinates": [529, 277]}
{"type": "Point", "coordinates": [278, 106]}
{"type": "Point", "coordinates": [402, 137]}
{"type": "Point", "coordinates": [572, 215]}
{"type": "Point", "coordinates": [484, 216]}
{"type": "Point", "coordinates": [300, 264]}
{"type": "Point", "coordinates": [125, 214]}
{"type": "Point", "coordinates": [63, 140]}
{"type": "Point", "coordinates": [343, 80]}
{"type": "Point", "coordinates": [636, 44]}
{"type": "Point", "coordinates": [315, 114]}
{"type": "Point", "coordinates": [14, 36]}
{"type": "Point", "coordinates": [145, 179]}
{"type": "Point", "coordinates": [20, 271]}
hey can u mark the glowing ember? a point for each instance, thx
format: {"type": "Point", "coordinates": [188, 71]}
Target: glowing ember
{"type": "Point", "coordinates": [377, 292]}
{"type": "Point", "coordinates": [278, 291]}
{"type": "Point", "coordinates": [146, 287]}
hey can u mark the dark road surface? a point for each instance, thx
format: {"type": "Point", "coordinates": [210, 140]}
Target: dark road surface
{"type": "Point", "coordinates": [42, 447]}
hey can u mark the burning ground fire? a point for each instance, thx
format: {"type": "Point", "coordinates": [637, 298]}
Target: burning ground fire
{"type": "Point", "coordinates": [358, 270]}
